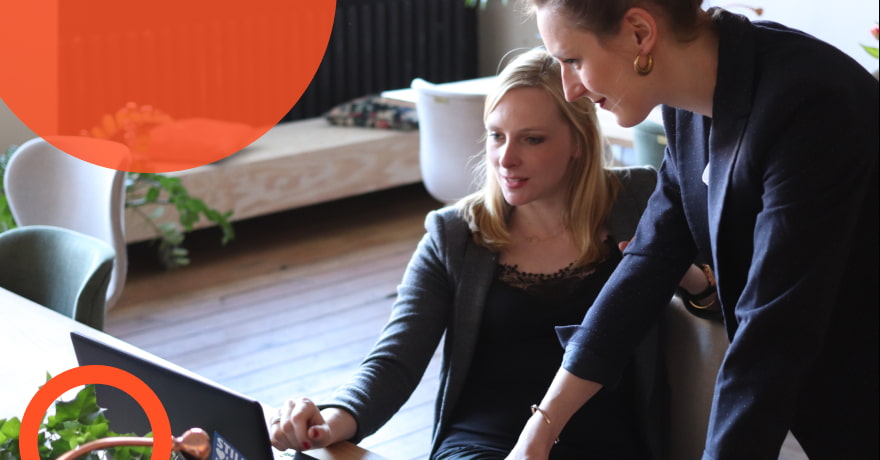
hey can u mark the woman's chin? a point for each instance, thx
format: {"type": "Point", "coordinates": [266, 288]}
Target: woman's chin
{"type": "Point", "coordinates": [626, 120]}
{"type": "Point", "coordinates": [513, 199]}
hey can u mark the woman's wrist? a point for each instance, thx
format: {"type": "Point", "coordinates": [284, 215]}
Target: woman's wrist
{"type": "Point", "coordinates": [536, 410]}
{"type": "Point", "coordinates": [341, 423]}
{"type": "Point", "coordinates": [705, 298]}
{"type": "Point", "coordinates": [698, 282]}
{"type": "Point", "coordinates": [540, 436]}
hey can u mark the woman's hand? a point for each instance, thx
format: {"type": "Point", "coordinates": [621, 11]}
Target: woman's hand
{"type": "Point", "coordinates": [566, 394]}
{"type": "Point", "coordinates": [301, 426]}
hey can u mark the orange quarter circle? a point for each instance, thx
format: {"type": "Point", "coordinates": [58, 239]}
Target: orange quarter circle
{"type": "Point", "coordinates": [180, 83]}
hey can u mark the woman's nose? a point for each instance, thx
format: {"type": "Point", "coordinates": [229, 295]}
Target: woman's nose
{"type": "Point", "coordinates": [508, 157]}
{"type": "Point", "coordinates": [572, 87]}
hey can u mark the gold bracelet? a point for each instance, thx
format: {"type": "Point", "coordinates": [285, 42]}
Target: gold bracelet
{"type": "Point", "coordinates": [537, 409]}
{"type": "Point", "coordinates": [703, 307]}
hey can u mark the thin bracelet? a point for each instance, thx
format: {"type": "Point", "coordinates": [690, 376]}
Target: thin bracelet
{"type": "Point", "coordinates": [703, 307]}
{"type": "Point", "coordinates": [537, 409]}
{"type": "Point", "coordinates": [710, 277]}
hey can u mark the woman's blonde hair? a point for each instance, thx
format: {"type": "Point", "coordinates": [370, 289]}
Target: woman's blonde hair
{"type": "Point", "coordinates": [592, 187]}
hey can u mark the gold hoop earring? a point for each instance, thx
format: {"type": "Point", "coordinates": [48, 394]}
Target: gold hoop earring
{"type": "Point", "coordinates": [649, 66]}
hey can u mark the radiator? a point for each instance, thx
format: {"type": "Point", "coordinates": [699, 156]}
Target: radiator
{"type": "Point", "coordinates": [378, 45]}
{"type": "Point", "coordinates": [375, 45]}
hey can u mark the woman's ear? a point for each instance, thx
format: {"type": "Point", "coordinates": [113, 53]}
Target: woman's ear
{"type": "Point", "coordinates": [641, 26]}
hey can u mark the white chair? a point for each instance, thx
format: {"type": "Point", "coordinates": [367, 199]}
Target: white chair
{"type": "Point", "coordinates": [451, 133]}
{"type": "Point", "coordinates": [46, 186]}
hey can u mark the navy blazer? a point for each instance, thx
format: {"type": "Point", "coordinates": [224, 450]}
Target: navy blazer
{"type": "Point", "coordinates": [779, 189]}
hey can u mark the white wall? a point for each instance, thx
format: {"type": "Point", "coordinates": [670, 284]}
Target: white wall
{"type": "Point", "coordinates": [843, 23]}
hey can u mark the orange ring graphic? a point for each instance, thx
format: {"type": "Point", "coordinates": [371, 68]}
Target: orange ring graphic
{"type": "Point", "coordinates": [104, 375]}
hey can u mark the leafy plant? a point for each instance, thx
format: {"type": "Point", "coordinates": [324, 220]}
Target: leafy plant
{"type": "Point", "coordinates": [74, 423]}
{"type": "Point", "coordinates": [155, 192]}
{"type": "Point", "coordinates": [158, 189]}
{"type": "Point", "coordinates": [6, 220]}
{"type": "Point", "coordinates": [872, 50]}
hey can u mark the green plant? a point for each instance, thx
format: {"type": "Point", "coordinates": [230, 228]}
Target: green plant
{"type": "Point", "coordinates": [6, 220]}
{"type": "Point", "coordinates": [74, 423]}
{"type": "Point", "coordinates": [157, 189]}
{"type": "Point", "coordinates": [153, 192]}
{"type": "Point", "coordinates": [872, 50]}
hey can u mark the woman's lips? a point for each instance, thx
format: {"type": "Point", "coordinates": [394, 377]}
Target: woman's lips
{"type": "Point", "coordinates": [514, 182]}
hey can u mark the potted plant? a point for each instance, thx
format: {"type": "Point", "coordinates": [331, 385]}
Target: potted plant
{"type": "Point", "coordinates": [73, 423]}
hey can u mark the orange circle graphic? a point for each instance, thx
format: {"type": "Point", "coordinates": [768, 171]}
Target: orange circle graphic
{"type": "Point", "coordinates": [181, 83]}
{"type": "Point", "coordinates": [104, 375]}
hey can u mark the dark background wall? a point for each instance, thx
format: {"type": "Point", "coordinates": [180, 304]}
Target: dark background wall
{"type": "Point", "coordinates": [378, 45]}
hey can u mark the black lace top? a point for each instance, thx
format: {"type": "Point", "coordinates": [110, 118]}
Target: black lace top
{"type": "Point", "coordinates": [517, 357]}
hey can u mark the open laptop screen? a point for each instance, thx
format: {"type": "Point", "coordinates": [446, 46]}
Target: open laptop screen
{"type": "Point", "coordinates": [188, 400]}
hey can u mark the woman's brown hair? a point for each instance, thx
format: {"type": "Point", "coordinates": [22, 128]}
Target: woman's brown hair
{"type": "Point", "coordinates": [603, 17]}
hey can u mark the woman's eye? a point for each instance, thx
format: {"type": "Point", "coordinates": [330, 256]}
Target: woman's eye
{"type": "Point", "coordinates": [573, 63]}
{"type": "Point", "coordinates": [494, 136]}
{"type": "Point", "coordinates": [533, 140]}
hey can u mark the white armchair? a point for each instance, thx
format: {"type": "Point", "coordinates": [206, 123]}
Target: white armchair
{"type": "Point", "coordinates": [451, 133]}
{"type": "Point", "coordinates": [46, 186]}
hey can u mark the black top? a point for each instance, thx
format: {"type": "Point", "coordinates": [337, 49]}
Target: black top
{"type": "Point", "coordinates": [517, 356]}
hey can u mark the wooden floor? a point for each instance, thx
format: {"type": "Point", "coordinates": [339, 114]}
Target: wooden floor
{"type": "Point", "coordinates": [290, 307]}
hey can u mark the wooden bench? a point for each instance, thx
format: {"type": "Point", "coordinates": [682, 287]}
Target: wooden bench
{"type": "Point", "coordinates": [297, 164]}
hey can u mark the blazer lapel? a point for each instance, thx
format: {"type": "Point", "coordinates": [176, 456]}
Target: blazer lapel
{"type": "Point", "coordinates": [731, 107]}
{"type": "Point", "coordinates": [476, 270]}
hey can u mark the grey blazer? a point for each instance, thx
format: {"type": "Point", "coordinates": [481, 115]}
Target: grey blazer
{"type": "Point", "coordinates": [443, 291]}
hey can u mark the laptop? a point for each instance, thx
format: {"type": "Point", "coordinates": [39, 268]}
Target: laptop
{"type": "Point", "coordinates": [236, 423]}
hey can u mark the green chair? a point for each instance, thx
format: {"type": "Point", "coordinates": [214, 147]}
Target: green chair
{"type": "Point", "coordinates": [649, 143]}
{"type": "Point", "coordinates": [61, 269]}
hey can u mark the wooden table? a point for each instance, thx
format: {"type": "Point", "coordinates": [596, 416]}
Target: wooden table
{"type": "Point", "coordinates": [615, 134]}
{"type": "Point", "coordinates": [36, 340]}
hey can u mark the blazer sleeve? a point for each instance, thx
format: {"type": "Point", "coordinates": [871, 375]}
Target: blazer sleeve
{"type": "Point", "coordinates": [393, 368]}
{"type": "Point", "coordinates": [636, 293]}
